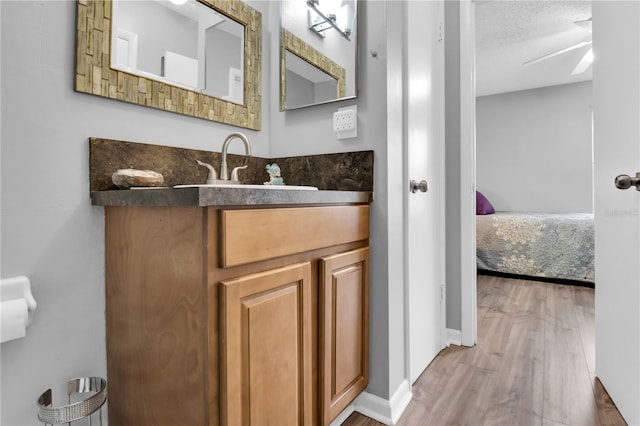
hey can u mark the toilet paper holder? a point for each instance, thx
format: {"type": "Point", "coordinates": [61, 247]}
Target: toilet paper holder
{"type": "Point", "coordinates": [13, 290]}
{"type": "Point", "coordinates": [18, 288]}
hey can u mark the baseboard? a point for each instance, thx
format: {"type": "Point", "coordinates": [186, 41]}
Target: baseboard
{"type": "Point", "coordinates": [454, 337]}
{"type": "Point", "coordinates": [342, 417]}
{"type": "Point", "coordinates": [387, 412]}
{"type": "Point", "coordinates": [564, 281]}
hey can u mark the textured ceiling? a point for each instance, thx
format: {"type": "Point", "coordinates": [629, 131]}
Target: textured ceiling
{"type": "Point", "coordinates": [509, 33]}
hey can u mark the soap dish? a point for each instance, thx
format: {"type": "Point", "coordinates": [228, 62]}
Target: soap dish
{"type": "Point", "coordinates": [126, 178]}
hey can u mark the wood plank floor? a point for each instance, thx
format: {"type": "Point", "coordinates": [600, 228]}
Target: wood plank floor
{"type": "Point", "coordinates": [534, 364]}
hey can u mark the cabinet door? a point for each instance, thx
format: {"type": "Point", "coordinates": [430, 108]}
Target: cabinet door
{"type": "Point", "coordinates": [265, 369]}
{"type": "Point", "coordinates": [344, 330]}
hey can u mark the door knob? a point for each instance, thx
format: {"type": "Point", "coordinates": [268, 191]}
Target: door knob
{"type": "Point", "coordinates": [626, 181]}
{"type": "Point", "coordinates": [421, 186]}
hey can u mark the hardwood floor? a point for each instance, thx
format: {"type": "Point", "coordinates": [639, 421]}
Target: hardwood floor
{"type": "Point", "coordinates": [534, 364]}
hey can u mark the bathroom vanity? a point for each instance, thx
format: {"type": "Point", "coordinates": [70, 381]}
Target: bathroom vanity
{"type": "Point", "coordinates": [235, 306]}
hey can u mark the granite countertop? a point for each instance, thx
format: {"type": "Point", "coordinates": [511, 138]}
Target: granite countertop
{"type": "Point", "coordinates": [204, 197]}
{"type": "Point", "coordinates": [343, 178]}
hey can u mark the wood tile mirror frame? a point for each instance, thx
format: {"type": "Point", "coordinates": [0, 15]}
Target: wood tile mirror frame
{"type": "Point", "coordinates": [95, 76]}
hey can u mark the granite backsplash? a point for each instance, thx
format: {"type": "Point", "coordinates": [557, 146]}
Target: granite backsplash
{"type": "Point", "coordinates": [348, 171]}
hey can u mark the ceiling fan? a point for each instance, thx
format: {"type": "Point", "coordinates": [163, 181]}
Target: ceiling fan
{"type": "Point", "coordinates": [586, 60]}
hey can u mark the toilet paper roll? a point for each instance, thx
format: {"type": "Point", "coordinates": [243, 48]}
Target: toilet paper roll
{"type": "Point", "coordinates": [14, 318]}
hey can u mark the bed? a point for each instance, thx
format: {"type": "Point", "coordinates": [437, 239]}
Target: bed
{"type": "Point", "coordinates": [556, 246]}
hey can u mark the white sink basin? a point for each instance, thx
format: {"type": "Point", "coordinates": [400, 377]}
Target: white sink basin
{"type": "Point", "coordinates": [265, 187]}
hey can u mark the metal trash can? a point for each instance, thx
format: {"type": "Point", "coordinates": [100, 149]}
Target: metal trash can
{"type": "Point", "coordinates": [72, 412]}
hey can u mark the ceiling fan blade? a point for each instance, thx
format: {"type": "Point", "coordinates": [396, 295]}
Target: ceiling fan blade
{"type": "Point", "coordinates": [558, 52]}
{"type": "Point", "coordinates": [586, 24]}
{"type": "Point", "coordinates": [584, 63]}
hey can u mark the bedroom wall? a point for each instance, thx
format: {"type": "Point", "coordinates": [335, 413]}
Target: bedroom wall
{"type": "Point", "coordinates": [534, 149]}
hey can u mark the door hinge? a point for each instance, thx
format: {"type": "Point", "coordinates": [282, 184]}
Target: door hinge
{"type": "Point", "coordinates": [441, 32]}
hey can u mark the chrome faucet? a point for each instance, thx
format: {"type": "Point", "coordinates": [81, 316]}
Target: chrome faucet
{"type": "Point", "coordinates": [212, 178]}
{"type": "Point", "coordinates": [224, 175]}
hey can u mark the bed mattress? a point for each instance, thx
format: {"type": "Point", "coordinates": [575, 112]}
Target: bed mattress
{"type": "Point", "coordinates": [545, 245]}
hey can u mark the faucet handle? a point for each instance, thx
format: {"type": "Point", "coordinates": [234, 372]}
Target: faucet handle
{"type": "Point", "coordinates": [234, 172]}
{"type": "Point", "coordinates": [212, 177]}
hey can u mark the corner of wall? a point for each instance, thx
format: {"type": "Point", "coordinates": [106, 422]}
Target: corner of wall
{"type": "Point", "coordinates": [382, 410]}
{"type": "Point", "coordinates": [453, 337]}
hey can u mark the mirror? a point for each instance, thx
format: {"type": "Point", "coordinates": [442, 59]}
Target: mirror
{"type": "Point", "coordinates": [203, 52]}
{"type": "Point", "coordinates": [318, 52]}
{"type": "Point", "coordinates": [194, 57]}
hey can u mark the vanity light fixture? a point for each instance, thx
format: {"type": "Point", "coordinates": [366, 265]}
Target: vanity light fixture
{"type": "Point", "coordinates": [178, 2]}
{"type": "Point", "coordinates": [340, 15]}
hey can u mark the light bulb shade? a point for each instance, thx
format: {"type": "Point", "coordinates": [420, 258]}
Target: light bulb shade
{"type": "Point", "coordinates": [178, 2]}
{"type": "Point", "coordinates": [330, 7]}
{"type": "Point", "coordinates": [345, 18]}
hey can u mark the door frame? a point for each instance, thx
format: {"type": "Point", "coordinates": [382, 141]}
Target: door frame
{"type": "Point", "coordinates": [468, 273]}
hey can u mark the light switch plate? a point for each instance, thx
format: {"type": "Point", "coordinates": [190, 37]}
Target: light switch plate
{"type": "Point", "coordinates": [345, 122]}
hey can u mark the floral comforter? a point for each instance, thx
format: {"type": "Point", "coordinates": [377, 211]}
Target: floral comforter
{"type": "Point", "coordinates": [551, 245]}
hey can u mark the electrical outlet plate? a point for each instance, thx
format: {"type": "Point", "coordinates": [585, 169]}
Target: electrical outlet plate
{"type": "Point", "coordinates": [345, 122]}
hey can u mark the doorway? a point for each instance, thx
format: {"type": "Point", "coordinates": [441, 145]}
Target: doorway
{"type": "Point", "coordinates": [516, 185]}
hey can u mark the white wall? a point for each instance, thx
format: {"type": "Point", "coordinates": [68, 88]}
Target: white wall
{"type": "Point", "coordinates": [50, 231]}
{"type": "Point", "coordinates": [392, 185]}
{"type": "Point", "coordinates": [534, 150]}
{"type": "Point", "coordinates": [222, 52]}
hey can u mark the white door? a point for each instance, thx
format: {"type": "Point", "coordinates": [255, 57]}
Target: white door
{"type": "Point", "coordinates": [425, 161]}
{"type": "Point", "coordinates": [616, 102]}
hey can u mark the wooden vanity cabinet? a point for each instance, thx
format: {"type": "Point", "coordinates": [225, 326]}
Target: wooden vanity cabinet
{"type": "Point", "coordinates": [235, 316]}
{"type": "Point", "coordinates": [344, 330]}
{"type": "Point", "coordinates": [265, 326]}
